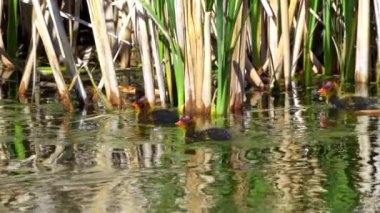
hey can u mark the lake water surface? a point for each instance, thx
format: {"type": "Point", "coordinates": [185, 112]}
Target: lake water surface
{"type": "Point", "coordinates": [287, 155]}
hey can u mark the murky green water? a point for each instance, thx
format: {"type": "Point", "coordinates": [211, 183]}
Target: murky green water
{"type": "Point", "coordinates": [287, 155]}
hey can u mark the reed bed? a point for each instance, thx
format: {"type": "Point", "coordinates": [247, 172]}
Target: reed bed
{"type": "Point", "coordinates": [201, 56]}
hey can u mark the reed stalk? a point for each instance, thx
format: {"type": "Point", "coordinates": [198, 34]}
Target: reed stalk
{"type": "Point", "coordinates": [194, 57]}
{"type": "Point", "coordinates": [177, 10]}
{"type": "Point", "coordinates": [293, 4]}
{"type": "Point", "coordinates": [376, 5]}
{"type": "Point", "coordinates": [12, 28]}
{"type": "Point", "coordinates": [226, 15]}
{"type": "Point", "coordinates": [362, 43]}
{"type": "Point", "coordinates": [109, 17]}
{"type": "Point", "coordinates": [170, 80]}
{"type": "Point", "coordinates": [190, 50]}
{"type": "Point", "coordinates": [256, 32]}
{"type": "Point", "coordinates": [238, 60]}
{"type": "Point", "coordinates": [348, 53]}
{"type": "Point", "coordinates": [198, 58]}
{"type": "Point", "coordinates": [286, 42]}
{"type": "Point", "coordinates": [1, 12]}
{"type": "Point", "coordinates": [74, 29]}
{"type": "Point", "coordinates": [175, 50]}
{"type": "Point", "coordinates": [157, 64]}
{"type": "Point", "coordinates": [253, 74]}
{"type": "Point", "coordinates": [124, 32]}
{"type": "Point", "coordinates": [206, 87]}
{"type": "Point", "coordinates": [159, 7]}
{"type": "Point", "coordinates": [283, 48]}
{"type": "Point", "coordinates": [273, 39]}
{"type": "Point", "coordinates": [298, 38]}
{"type": "Point", "coordinates": [177, 45]}
{"type": "Point", "coordinates": [66, 51]}
{"type": "Point", "coordinates": [4, 57]}
{"type": "Point", "coordinates": [104, 51]}
{"type": "Point", "coordinates": [143, 40]}
{"type": "Point", "coordinates": [30, 63]}
{"type": "Point", "coordinates": [51, 55]}
{"type": "Point", "coordinates": [309, 40]}
{"type": "Point", "coordinates": [328, 47]}
{"type": "Point", "coordinates": [223, 63]}
{"type": "Point", "coordinates": [179, 68]}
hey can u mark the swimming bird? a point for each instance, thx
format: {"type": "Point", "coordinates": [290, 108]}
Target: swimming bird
{"type": "Point", "coordinates": [216, 134]}
{"type": "Point", "coordinates": [155, 116]}
{"type": "Point", "coordinates": [330, 91]}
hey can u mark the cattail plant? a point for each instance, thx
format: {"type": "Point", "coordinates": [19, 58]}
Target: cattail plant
{"type": "Point", "coordinates": [348, 49]}
{"type": "Point", "coordinates": [199, 55]}
{"type": "Point", "coordinates": [104, 51]}
{"type": "Point", "coordinates": [12, 27]}
{"type": "Point", "coordinates": [376, 5]}
{"type": "Point", "coordinates": [51, 54]}
{"type": "Point", "coordinates": [327, 38]}
{"type": "Point", "coordinates": [238, 59]}
{"type": "Point", "coordinates": [194, 56]}
{"type": "Point", "coordinates": [298, 38]}
{"type": "Point", "coordinates": [226, 18]}
{"type": "Point", "coordinates": [362, 43]}
{"type": "Point", "coordinates": [313, 6]}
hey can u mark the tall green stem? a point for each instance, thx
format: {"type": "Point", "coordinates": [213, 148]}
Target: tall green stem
{"type": "Point", "coordinates": [311, 25]}
{"type": "Point", "coordinates": [18, 142]}
{"type": "Point", "coordinates": [12, 31]}
{"type": "Point", "coordinates": [226, 16]}
{"type": "Point", "coordinates": [256, 33]}
{"type": "Point", "coordinates": [350, 21]}
{"type": "Point", "coordinates": [327, 41]}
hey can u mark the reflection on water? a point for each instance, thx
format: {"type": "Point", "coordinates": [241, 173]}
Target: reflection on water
{"type": "Point", "coordinates": [288, 155]}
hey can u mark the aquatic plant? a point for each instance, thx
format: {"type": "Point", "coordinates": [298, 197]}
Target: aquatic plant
{"type": "Point", "coordinates": [199, 56]}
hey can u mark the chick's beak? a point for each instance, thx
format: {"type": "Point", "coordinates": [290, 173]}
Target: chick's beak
{"type": "Point", "coordinates": [323, 91]}
{"type": "Point", "coordinates": [180, 123]}
{"type": "Point", "coordinates": [135, 105]}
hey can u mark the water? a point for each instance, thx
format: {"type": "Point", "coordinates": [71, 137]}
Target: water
{"type": "Point", "coordinates": [287, 155]}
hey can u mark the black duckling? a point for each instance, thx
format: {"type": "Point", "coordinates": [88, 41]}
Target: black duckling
{"type": "Point", "coordinates": [191, 135]}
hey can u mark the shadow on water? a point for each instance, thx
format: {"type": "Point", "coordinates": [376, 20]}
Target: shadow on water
{"type": "Point", "coordinates": [288, 154]}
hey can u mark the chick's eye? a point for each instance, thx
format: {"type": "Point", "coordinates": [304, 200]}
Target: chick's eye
{"type": "Point", "coordinates": [186, 119]}
{"type": "Point", "coordinates": [142, 100]}
{"type": "Point", "coordinates": [328, 85]}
